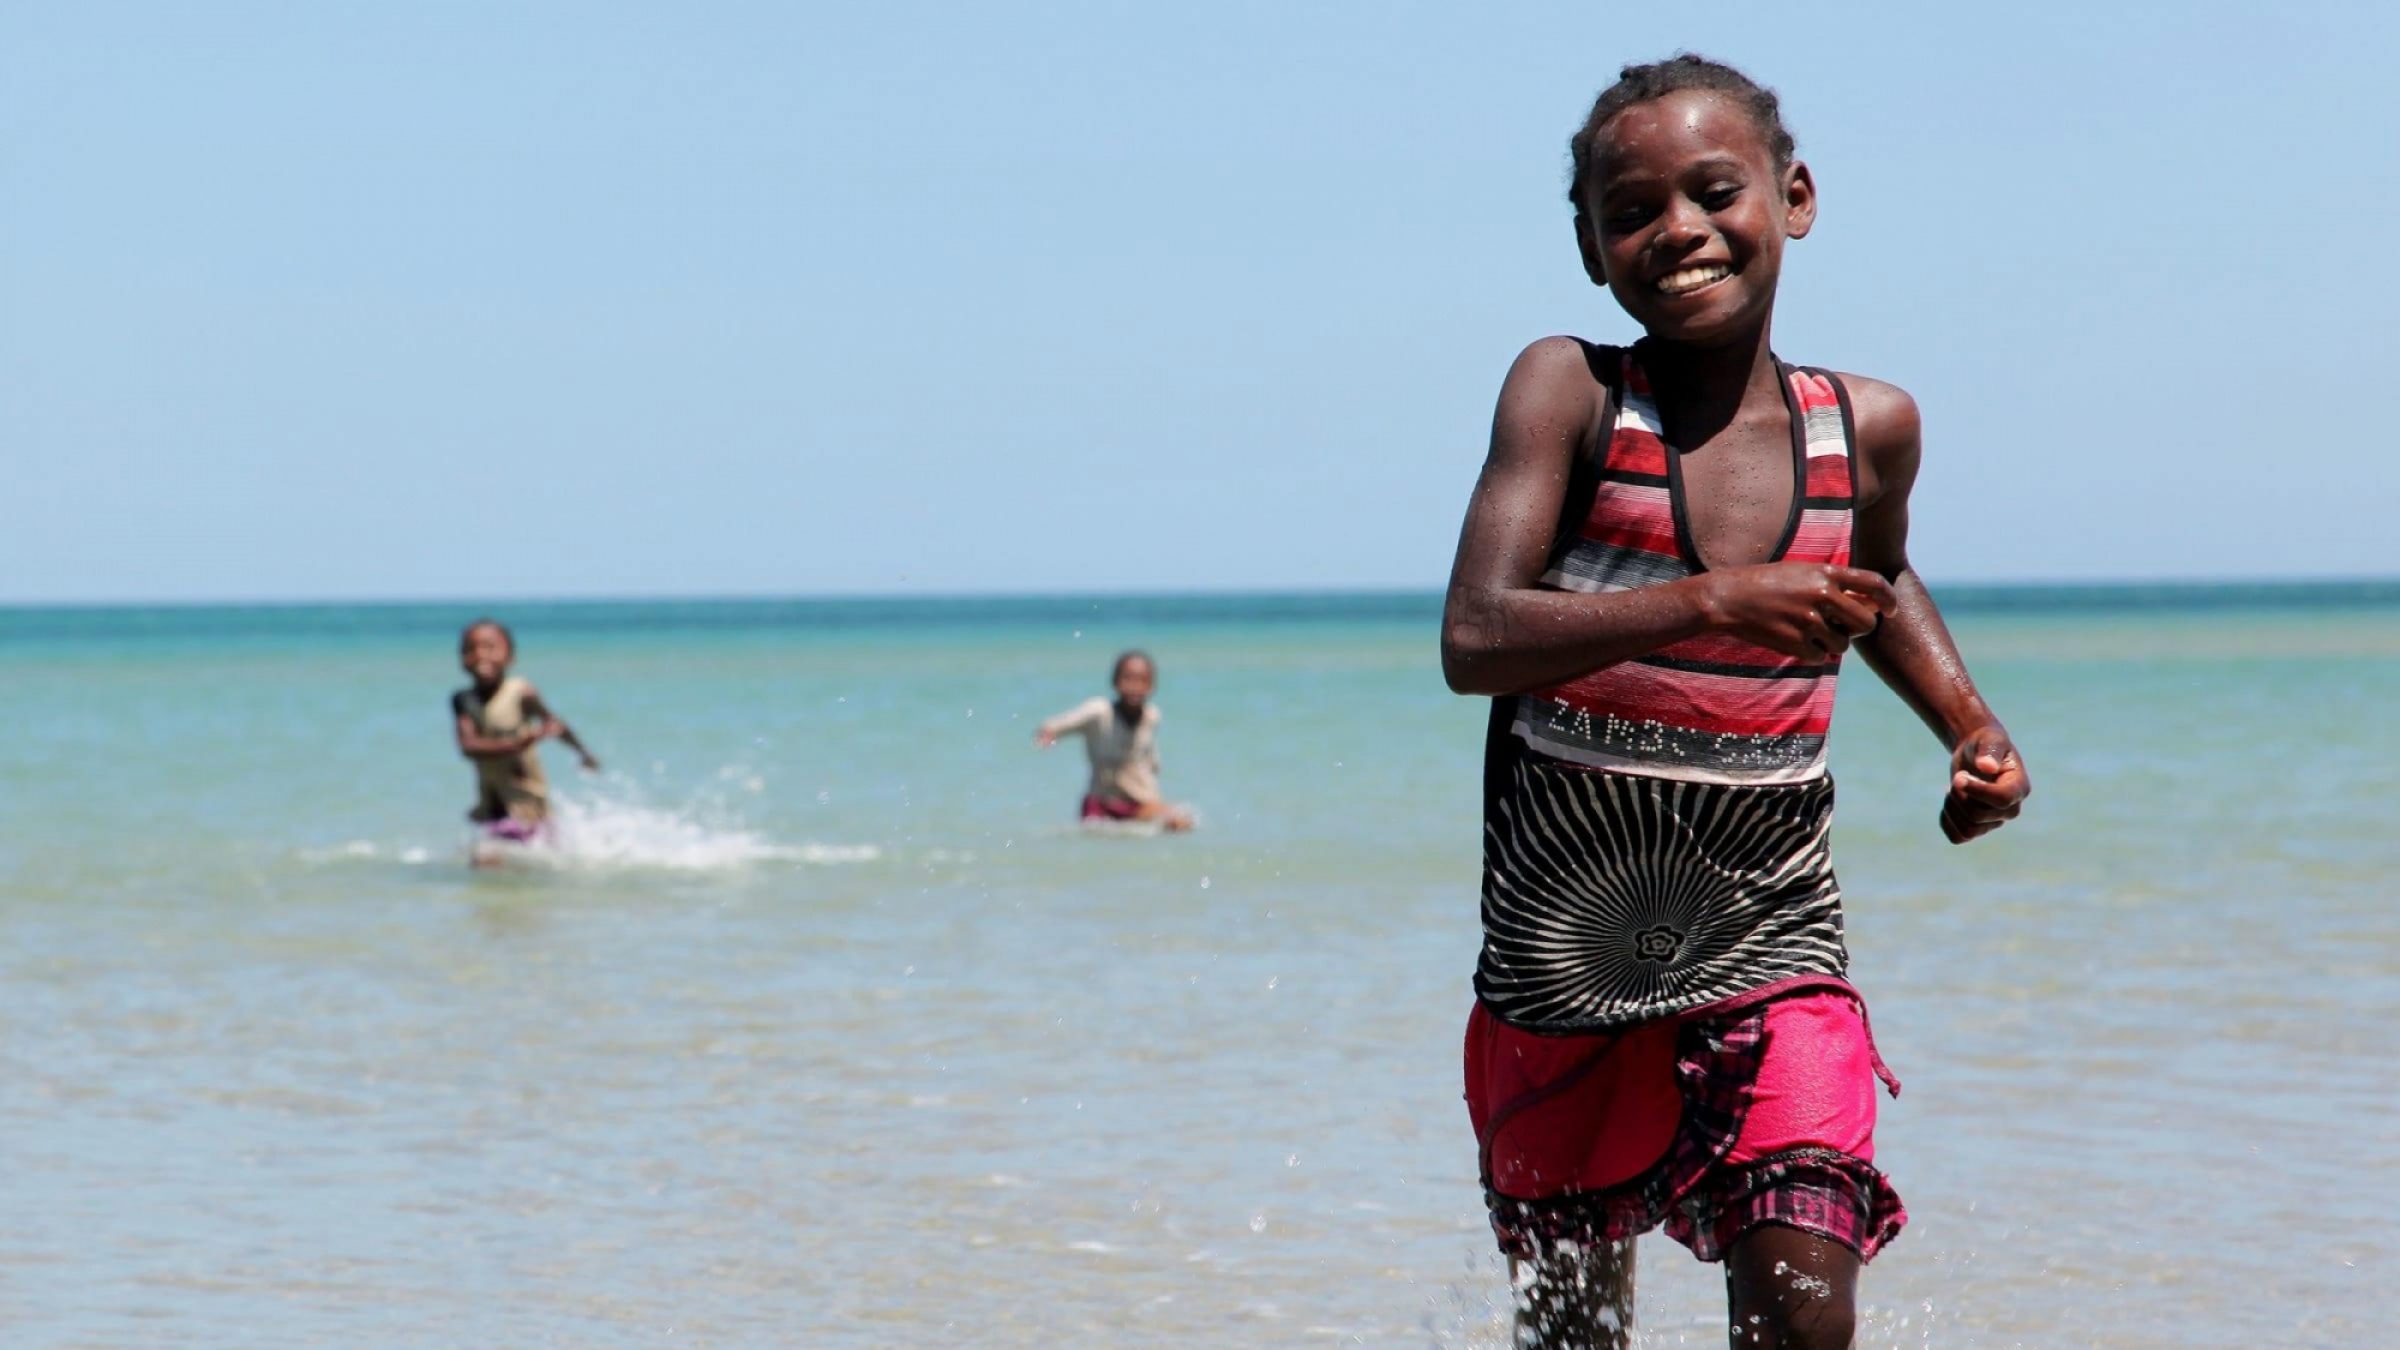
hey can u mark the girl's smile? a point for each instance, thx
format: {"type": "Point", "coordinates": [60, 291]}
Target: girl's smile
{"type": "Point", "coordinates": [1691, 280]}
{"type": "Point", "coordinates": [1689, 215]}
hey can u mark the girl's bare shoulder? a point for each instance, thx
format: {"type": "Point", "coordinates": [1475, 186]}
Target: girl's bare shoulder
{"type": "Point", "coordinates": [1883, 413]}
{"type": "Point", "coordinates": [1890, 434]}
{"type": "Point", "coordinates": [1554, 391]}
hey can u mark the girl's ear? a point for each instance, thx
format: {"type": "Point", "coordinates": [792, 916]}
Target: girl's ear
{"type": "Point", "coordinates": [1589, 247]}
{"type": "Point", "coordinates": [1799, 201]}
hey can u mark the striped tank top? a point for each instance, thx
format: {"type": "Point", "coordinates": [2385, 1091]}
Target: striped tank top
{"type": "Point", "coordinates": [1656, 831]}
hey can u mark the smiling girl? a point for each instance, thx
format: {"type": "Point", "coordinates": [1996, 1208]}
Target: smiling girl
{"type": "Point", "coordinates": [1669, 551]}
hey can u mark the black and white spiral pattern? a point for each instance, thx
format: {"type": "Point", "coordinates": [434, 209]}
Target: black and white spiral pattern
{"type": "Point", "coordinates": [1611, 898]}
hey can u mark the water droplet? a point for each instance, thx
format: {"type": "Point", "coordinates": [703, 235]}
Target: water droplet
{"type": "Point", "coordinates": [1291, 1160]}
{"type": "Point", "coordinates": [1271, 979]}
{"type": "Point", "coordinates": [1258, 1223]}
{"type": "Point", "coordinates": [1204, 883]}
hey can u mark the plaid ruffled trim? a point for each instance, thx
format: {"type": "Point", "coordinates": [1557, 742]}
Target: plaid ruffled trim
{"type": "Point", "coordinates": [1815, 1190]}
{"type": "Point", "coordinates": [1703, 1206]}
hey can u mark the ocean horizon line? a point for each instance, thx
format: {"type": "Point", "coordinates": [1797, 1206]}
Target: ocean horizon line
{"type": "Point", "coordinates": [2335, 588]}
{"type": "Point", "coordinates": [302, 618]}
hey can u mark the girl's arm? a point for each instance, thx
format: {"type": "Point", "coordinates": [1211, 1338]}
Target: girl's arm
{"type": "Point", "coordinates": [1503, 634]}
{"type": "Point", "coordinates": [1913, 650]}
{"type": "Point", "coordinates": [534, 704]}
{"type": "Point", "coordinates": [475, 745]}
{"type": "Point", "coordinates": [1074, 721]}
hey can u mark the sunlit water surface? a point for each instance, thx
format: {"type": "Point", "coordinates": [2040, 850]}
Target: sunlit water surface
{"type": "Point", "coordinates": [826, 1027]}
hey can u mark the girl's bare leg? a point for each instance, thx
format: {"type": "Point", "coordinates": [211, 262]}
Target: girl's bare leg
{"type": "Point", "coordinates": [1575, 1297]}
{"type": "Point", "coordinates": [1790, 1289]}
{"type": "Point", "coordinates": [1174, 819]}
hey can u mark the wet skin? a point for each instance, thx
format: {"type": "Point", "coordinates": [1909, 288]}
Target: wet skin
{"type": "Point", "coordinates": [1687, 232]}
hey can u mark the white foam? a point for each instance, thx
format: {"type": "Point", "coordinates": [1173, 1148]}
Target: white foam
{"type": "Point", "coordinates": [606, 826]}
{"type": "Point", "coordinates": [367, 850]}
{"type": "Point", "coordinates": [1120, 829]}
{"type": "Point", "coordinates": [607, 832]}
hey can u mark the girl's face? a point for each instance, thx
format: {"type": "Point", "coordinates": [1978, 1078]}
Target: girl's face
{"type": "Point", "coordinates": [1134, 683]}
{"type": "Point", "coordinates": [483, 653]}
{"type": "Point", "coordinates": [1688, 217]}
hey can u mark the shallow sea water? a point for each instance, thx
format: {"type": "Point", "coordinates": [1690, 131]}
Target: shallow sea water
{"type": "Point", "coordinates": [830, 1029]}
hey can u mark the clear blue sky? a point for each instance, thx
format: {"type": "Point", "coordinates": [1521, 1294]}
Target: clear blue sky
{"type": "Point", "coordinates": [475, 300]}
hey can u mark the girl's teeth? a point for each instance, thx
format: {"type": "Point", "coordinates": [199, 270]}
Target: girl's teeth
{"type": "Point", "coordinates": [1691, 278]}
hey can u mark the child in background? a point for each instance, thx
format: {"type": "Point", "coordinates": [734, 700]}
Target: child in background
{"type": "Point", "coordinates": [1122, 740]}
{"type": "Point", "coordinates": [500, 719]}
{"type": "Point", "coordinates": [1670, 549]}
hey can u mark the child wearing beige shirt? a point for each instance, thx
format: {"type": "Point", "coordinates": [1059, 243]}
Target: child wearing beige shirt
{"type": "Point", "coordinates": [1121, 739]}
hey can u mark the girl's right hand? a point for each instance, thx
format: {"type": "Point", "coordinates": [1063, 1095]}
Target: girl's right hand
{"type": "Point", "coordinates": [1044, 739]}
{"type": "Point", "coordinates": [1799, 609]}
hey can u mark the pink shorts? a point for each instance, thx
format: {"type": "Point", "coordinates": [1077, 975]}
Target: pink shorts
{"type": "Point", "coordinates": [1756, 1111]}
{"type": "Point", "coordinates": [1110, 808]}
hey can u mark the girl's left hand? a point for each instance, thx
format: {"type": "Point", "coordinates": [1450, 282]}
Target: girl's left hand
{"type": "Point", "coordinates": [590, 765]}
{"type": "Point", "coordinates": [1988, 786]}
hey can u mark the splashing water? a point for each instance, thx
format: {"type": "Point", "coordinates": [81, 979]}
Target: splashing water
{"type": "Point", "coordinates": [367, 850]}
{"type": "Point", "coordinates": [610, 827]}
{"type": "Point", "coordinates": [616, 830]}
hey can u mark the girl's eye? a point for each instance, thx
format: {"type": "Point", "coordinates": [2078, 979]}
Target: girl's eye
{"type": "Point", "coordinates": [1718, 198]}
{"type": "Point", "coordinates": [1627, 219]}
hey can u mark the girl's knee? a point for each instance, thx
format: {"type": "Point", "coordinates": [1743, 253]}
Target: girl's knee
{"type": "Point", "coordinates": [1792, 1290]}
{"type": "Point", "coordinates": [1823, 1324]}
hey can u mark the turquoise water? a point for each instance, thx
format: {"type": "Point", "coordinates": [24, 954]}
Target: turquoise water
{"type": "Point", "coordinates": [829, 1028]}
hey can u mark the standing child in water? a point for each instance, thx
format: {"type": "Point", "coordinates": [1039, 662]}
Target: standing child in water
{"type": "Point", "coordinates": [1670, 549]}
{"type": "Point", "coordinates": [1122, 740]}
{"type": "Point", "coordinates": [500, 719]}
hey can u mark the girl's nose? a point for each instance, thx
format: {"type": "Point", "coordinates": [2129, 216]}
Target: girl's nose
{"type": "Point", "coordinates": [1681, 228]}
